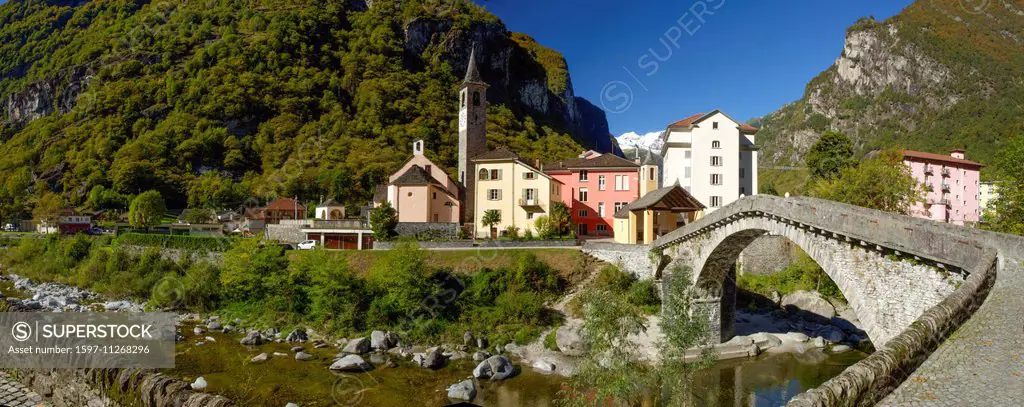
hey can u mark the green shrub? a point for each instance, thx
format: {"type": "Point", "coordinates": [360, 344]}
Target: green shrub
{"type": "Point", "coordinates": [612, 278]}
{"type": "Point", "coordinates": [550, 341]}
{"type": "Point", "coordinates": [512, 232]}
{"type": "Point", "coordinates": [198, 243]}
{"type": "Point", "coordinates": [644, 294]}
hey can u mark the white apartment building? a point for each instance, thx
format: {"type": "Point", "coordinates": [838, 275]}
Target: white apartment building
{"type": "Point", "coordinates": [712, 156]}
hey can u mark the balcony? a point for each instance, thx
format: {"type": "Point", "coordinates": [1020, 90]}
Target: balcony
{"type": "Point", "coordinates": [928, 169]}
{"type": "Point", "coordinates": [529, 202]}
{"type": "Point", "coordinates": [945, 187]}
{"type": "Point", "coordinates": [945, 172]}
{"type": "Point", "coordinates": [945, 202]}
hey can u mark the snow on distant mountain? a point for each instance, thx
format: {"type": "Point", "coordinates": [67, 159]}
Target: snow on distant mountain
{"type": "Point", "coordinates": [647, 141]}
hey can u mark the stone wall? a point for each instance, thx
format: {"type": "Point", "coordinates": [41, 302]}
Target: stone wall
{"type": "Point", "coordinates": [114, 388]}
{"type": "Point", "coordinates": [285, 233]}
{"type": "Point", "coordinates": [633, 259]}
{"type": "Point", "coordinates": [438, 230]}
{"type": "Point", "coordinates": [177, 254]}
{"type": "Point", "coordinates": [482, 244]}
{"type": "Point", "coordinates": [767, 255]}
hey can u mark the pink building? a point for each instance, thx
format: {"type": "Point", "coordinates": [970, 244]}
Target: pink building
{"type": "Point", "coordinates": [952, 186]}
{"type": "Point", "coordinates": [594, 187]}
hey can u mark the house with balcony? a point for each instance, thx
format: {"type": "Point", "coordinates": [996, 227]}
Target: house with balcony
{"type": "Point", "coordinates": [518, 191]}
{"type": "Point", "coordinates": [595, 186]}
{"type": "Point", "coordinates": [282, 209]}
{"type": "Point", "coordinates": [952, 186]}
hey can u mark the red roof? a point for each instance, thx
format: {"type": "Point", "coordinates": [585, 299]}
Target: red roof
{"type": "Point", "coordinates": [921, 155]}
{"type": "Point", "coordinates": [747, 127]}
{"type": "Point", "coordinates": [697, 117]}
{"type": "Point", "coordinates": [687, 121]}
{"type": "Point", "coordinates": [281, 204]}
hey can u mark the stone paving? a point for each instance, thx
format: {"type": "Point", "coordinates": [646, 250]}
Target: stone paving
{"type": "Point", "coordinates": [982, 364]}
{"type": "Point", "coordinates": [14, 394]}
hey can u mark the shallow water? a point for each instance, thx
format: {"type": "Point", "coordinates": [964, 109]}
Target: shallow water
{"type": "Point", "coordinates": [768, 380]}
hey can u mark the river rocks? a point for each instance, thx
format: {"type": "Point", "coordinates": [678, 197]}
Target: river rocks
{"type": "Point", "coordinates": [260, 358]}
{"type": "Point", "coordinates": [765, 341]}
{"type": "Point", "coordinates": [297, 336]}
{"type": "Point", "coordinates": [810, 305]}
{"type": "Point", "coordinates": [456, 355]}
{"type": "Point", "coordinates": [198, 331]}
{"type": "Point", "coordinates": [841, 349]}
{"type": "Point", "coordinates": [214, 326]}
{"type": "Point", "coordinates": [739, 340]}
{"type": "Point", "coordinates": [378, 359]}
{"type": "Point", "coordinates": [291, 405]}
{"type": "Point", "coordinates": [569, 340]}
{"type": "Point", "coordinates": [494, 368]}
{"type": "Point", "coordinates": [381, 340]}
{"type": "Point", "coordinates": [798, 337]}
{"type": "Point", "coordinates": [279, 354]}
{"type": "Point", "coordinates": [116, 305]}
{"type": "Point", "coordinates": [431, 359]}
{"type": "Point", "coordinates": [818, 342]}
{"type": "Point", "coordinates": [544, 366]}
{"type": "Point", "coordinates": [468, 339]}
{"type": "Point", "coordinates": [210, 339]}
{"type": "Point", "coordinates": [481, 356]}
{"type": "Point", "coordinates": [351, 363]}
{"type": "Point", "coordinates": [296, 349]}
{"type": "Point", "coordinates": [832, 334]}
{"type": "Point", "coordinates": [481, 342]}
{"type": "Point", "coordinates": [464, 390]}
{"type": "Point", "coordinates": [776, 298]}
{"type": "Point", "coordinates": [303, 356]}
{"type": "Point", "coordinates": [253, 338]}
{"type": "Point", "coordinates": [357, 346]}
{"type": "Point", "coordinates": [199, 384]}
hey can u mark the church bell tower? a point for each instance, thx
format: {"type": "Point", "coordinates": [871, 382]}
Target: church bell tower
{"type": "Point", "coordinates": [472, 131]}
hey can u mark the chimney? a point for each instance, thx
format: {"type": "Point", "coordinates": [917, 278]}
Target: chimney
{"type": "Point", "coordinates": [958, 154]}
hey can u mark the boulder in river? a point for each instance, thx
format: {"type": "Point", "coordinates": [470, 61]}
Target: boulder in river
{"type": "Point", "coordinates": [297, 336]}
{"type": "Point", "coordinates": [357, 346]}
{"type": "Point", "coordinates": [253, 338]}
{"type": "Point", "coordinates": [303, 356]}
{"type": "Point", "coordinates": [382, 340]}
{"type": "Point", "coordinates": [544, 366]}
{"type": "Point", "coordinates": [199, 384]}
{"type": "Point", "coordinates": [810, 305]}
{"type": "Point", "coordinates": [351, 363]}
{"type": "Point", "coordinates": [494, 368]}
{"type": "Point", "coordinates": [569, 340]}
{"type": "Point", "coordinates": [214, 326]}
{"type": "Point", "coordinates": [260, 358]}
{"type": "Point", "coordinates": [464, 390]}
{"type": "Point", "coordinates": [431, 359]}
{"type": "Point", "coordinates": [481, 356]}
{"type": "Point", "coordinates": [468, 339]}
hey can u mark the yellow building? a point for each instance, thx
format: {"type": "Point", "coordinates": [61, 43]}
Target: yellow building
{"type": "Point", "coordinates": [518, 191]}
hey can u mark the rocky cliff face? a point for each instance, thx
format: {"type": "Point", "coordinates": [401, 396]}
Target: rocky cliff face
{"type": "Point", "coordinates": [911, 81]}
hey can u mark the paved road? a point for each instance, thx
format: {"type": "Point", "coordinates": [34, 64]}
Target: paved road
{"type": "Point", "coordinates": [982, 364]}
{"type": "Point", "coordinates": [14, 394]}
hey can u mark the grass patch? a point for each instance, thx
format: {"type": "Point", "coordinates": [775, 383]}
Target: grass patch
{"type": "Point", "coordinates": [803, 275]}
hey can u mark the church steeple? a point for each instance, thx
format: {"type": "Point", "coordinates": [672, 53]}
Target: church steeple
{"type": "Point", "coordinates": [472, 130]}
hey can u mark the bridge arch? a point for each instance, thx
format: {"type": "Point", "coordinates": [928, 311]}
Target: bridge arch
{"type": "Point", "coordinates": [887, 287]}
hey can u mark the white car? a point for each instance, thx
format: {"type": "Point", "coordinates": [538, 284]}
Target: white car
{"type": "Point", "coordinates": [307, 245]}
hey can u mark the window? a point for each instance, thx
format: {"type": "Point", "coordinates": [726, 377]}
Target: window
{"type": "Point", "coordinates": [602, 228]}
{"type": "Point", "coordinates": [716, 161]}
{"type": "Point", "coordinates": [743, 173]}
{"type": "Point", "coordinates": [583, 213]}
{"type": "Point", "coordinates": [476, 98]}
{"type": "Point", "coordinates": [688, 154]}
{"type": "Point", "coordinates": [529, 215]}
{"type": "Point", "coordinates": [716, 144]}
{"type": "Point", "coordinates": [529, 194]}
{"type": "Point", "coordinates": [496, 174]}
{"type": "Point", "coordinates": [600, 209]}
{"type": "Point", "coordinates": [435, 195]}
{"type": "Point", "coordinates": [584, 176]}
{"type": "Point", "coordinates": [619, 206]}
{"type": "Point", "coordinates": [583, 195]}
{"type": "Point", "coordinates": [600, 183]}
{"type": "Point", "coordinates": [687, 173]}
{"type": "Point", "coordinates": [462, 99]}
{"type": "Point", "coordinates": [651, 173]}
{"type": "Point", "coordinates": [529, 175]}
{"type": "Point", "coordinates": [462, 177]}
{"type": "Point", "coordinates": [716, 179]}
{"type": "Point", "coordinates": [484, 174]}
{"type": "Point", "coordinates": [714, 125]}
{"type": "Point", "coordinates": [494, 194]}
{"type": "Point", "coordinates": [716, 201]}
{"type": "Point", "coordinates": [622, 182]}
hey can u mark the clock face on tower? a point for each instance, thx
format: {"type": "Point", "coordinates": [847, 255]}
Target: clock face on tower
{"type": "Point", "coordinates": [462, 119]}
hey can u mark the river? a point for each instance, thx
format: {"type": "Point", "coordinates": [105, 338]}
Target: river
{"type": "Point", "coordinates": [767, 380]}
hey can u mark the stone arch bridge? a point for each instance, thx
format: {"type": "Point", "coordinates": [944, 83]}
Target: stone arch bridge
{"type": "Point", "coordinates": [911, 282]}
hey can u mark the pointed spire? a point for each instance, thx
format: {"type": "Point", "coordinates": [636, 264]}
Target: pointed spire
{"type": "Point", "coordinates": [472, 73]}
{"type": "Point", "coordinates": [649, 159]}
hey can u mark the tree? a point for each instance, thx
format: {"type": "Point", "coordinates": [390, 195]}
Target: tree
{"type": "Point", "coordinates": [200, 216]}
{"type": "Point", "coordinates": [829, 155]}
{"type": "Point", "coordinates": [383, 221]}
{"type": "Point", "coordinates": [1006, 213]}
{"type": "Point", "coordinates": [560, 219]}
{"type": "Point", "coordinates": [882, 183]}
{"type": "Point", "coordinates": [491, 217]}
{"type": "Point", "coordinates": [47, 208]}
{"type": "Point", "coordinates": [146, 210]}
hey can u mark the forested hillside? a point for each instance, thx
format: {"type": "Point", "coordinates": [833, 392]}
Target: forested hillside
{"type": "Point", "coordinates": [942, 74]}
{"type": "Point", "coordinates": [213, 101]}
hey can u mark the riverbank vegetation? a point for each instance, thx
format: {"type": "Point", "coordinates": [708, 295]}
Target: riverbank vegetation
{"type": "Point", "coordinates": [804, 274]}
{"type": "Point", "coordinates": [402, 291]}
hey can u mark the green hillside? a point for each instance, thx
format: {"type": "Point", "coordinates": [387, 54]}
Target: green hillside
{"type": "Point", "coordinates": [940, 75]}
{"type": "Point", "coordinates": [214, 101]}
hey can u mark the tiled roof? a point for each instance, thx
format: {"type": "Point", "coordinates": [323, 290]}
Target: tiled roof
{"type": "Point", "coordinates": [500, 153]}
{"type": "Point", "coordinates": [285, 204]}
{"type": "Point", "coordinates": [602, 161]}
{"type": "Point", "coordinates": [416, 175]}
{"type": "Point", "coordinates": [689, 121]}
{"type": "Point", "coordinates": [668, 198]}
{"type": "Point", "coordinates": [330, 202]}
{"type": "Point", "coordinates": [921, 155]}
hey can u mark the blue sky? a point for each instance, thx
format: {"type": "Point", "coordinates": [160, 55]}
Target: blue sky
{"type": "Point", "coordinates": [748, 58]}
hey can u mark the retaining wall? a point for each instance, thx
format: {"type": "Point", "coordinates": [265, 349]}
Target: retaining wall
{"type": "Point", "coordinates": [631, 258]}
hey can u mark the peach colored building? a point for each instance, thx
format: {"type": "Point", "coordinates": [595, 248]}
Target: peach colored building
{"type": "Point", "coordinates": [952, 186]}
{"type": "Point", "coordinates": [519, 192]}
{"type": "Point", "coordinates": [422, 192]}
{"type": "Point", "coordinates": [595, 186]}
